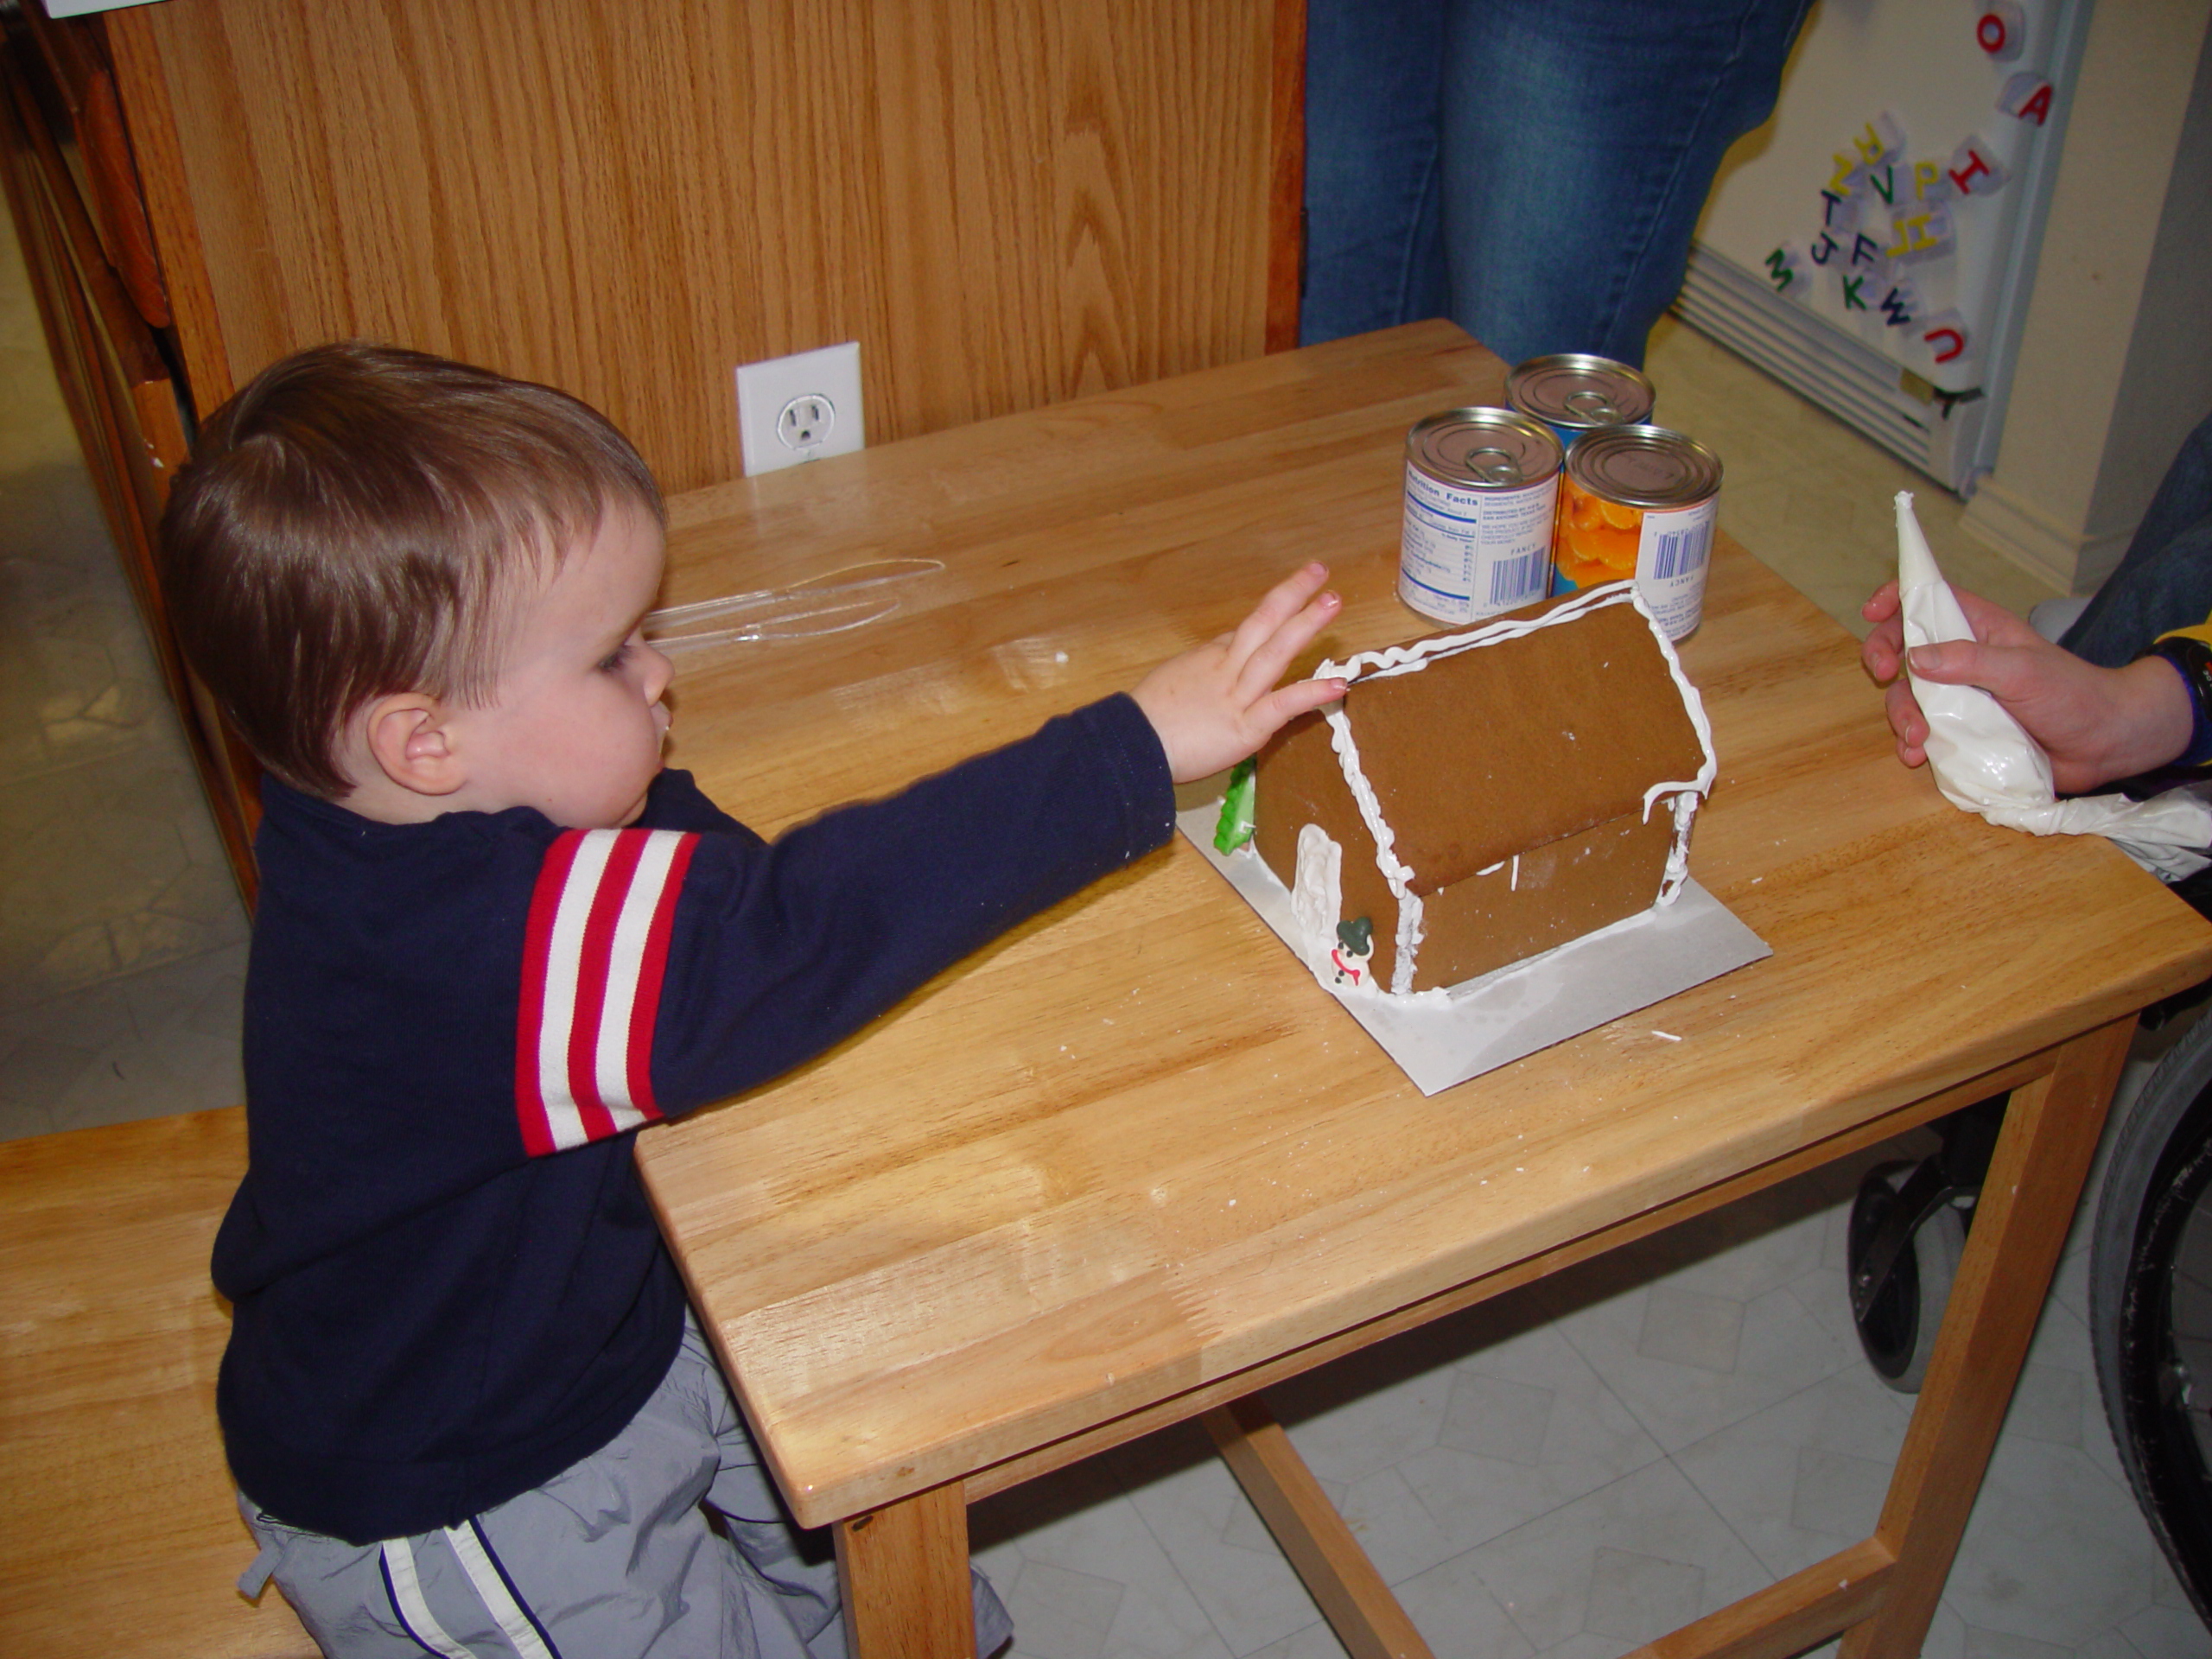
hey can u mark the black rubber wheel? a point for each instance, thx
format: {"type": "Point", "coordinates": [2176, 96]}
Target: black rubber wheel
{"type": "Point", "coordinates": [2150, 1305]}
{"type": "Point", "coordinates": [1897, 1331]}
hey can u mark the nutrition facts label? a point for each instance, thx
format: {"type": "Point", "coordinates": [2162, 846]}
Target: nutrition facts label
{"type": "Point", "coordinates": [1471, 553]}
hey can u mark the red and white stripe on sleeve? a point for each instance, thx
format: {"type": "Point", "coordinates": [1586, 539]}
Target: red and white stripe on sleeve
{"type": "Point", "coordinates": [593, 959]}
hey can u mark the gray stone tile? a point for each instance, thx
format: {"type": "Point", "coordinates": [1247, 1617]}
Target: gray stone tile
{"type": "Point", "coordinates": [1491, 1417]}
{"type": "Point", "coordinates": [1315, 1642]}
{"type": "Point", "coordinates": [1684, 1328]}
{"type": "Point", "coordinates": [1059, 1613]}
{"type": "Point", "coordinates": [1459, 1616]}
{"type": "Point", "coordinates": [1589, 1439]}
{"type": "Point", "coordinates": [1250, 1596]}
{"type": "Point", "coordinates": [1996, 1645]}
{"type": "Point", "coordinates": [1805, 1477]}
{"type": "Point", "coordinates": [1560, 1572]}
{"type": "Point", "coordinates": [2055, 1551]}
{"type": "Point", "coordinates": [1637, 1597]}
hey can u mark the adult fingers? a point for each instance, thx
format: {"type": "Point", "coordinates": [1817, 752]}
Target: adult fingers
{"type": "Point", "coordinates": [1906, 720]}
{"type": "Point", "coordinates": [1882, 652]}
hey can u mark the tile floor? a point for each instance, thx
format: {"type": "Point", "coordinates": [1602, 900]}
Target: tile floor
{"type": "Point", "coordinates": [1567, 1472]}
{"type": "Point", "coordinates": [122, 940]}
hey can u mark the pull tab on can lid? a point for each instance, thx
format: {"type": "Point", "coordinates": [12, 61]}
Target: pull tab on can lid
{"type": "Point", "coordinates": [1482, 449]}
{"type": "Point", "coordinates": [1576, 391]}
{"type": "Point", "coordinates": [1646, 467]}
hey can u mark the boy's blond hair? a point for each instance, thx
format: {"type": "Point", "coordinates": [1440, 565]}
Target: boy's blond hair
{"type": "Point", "coordinates": [360, 521]}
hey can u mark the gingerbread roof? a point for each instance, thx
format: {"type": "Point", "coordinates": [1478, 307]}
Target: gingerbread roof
{"type": "Point", "coordinates": [1485, 742]}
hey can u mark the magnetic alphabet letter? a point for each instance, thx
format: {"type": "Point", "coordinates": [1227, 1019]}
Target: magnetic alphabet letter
{"type": "Point", "coordinates": [1865, 250]}
{"type": "Point", "coordinates": [1929, 182]}
{"type": "Point", "coordinates": [1839, 212]}
{"type": "Point", "coordinates": [2026, 97]}
{"type": "Point", "coordinates": [1845, 166]}
{"type": "Point", "coordinates": [1852, 302]}
{"type": "Point", "coordinates": [1879, 140]}
{"type": "Point", "coordinates": [1884, 180]}
{"type": "Point", "coordinates": [1826, 249]}
{"type": "Point", "coordinates": [1945, 336]}
{"type": "Point", "coordinates": [2001, 30]}
{"type": "Point", "coordinates": [1900, 305]}
{"type": "Point", "coordinates": [1975, 170]}
{"type": "Point", "coordinates": [1782, 266]}
{"type": "Point", "coordinates": [1923, 235]}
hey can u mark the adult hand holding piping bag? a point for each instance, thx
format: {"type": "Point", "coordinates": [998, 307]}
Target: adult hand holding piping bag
{"type": "Point", "coordinates": [2007, 720]}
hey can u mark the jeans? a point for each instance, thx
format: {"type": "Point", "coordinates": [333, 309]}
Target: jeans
{"type": "Point", "coordinates": [2163, 580]}
{"type": "Point", "coordinates": [1532, 169]}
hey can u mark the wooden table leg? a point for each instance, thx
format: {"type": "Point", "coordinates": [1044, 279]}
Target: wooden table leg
{"type": "Point", "coordinates": [2019, 1224]}
{"type": "Point", "coordinates": [1352, 1595]}
{"type": "Point", "coordinates": [904, 1572]}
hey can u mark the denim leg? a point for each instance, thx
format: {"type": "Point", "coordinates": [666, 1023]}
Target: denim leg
{"type": "Point", "coordinates": [1372, 255]}
{"type": "Point", "coordinates": [2163, 580]}
{"type": "Point", "coordinates": [1580, 139]}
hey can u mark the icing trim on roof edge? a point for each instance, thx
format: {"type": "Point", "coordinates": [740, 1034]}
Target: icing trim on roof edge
{"type": "Point", "coordinates": [1686, 794]}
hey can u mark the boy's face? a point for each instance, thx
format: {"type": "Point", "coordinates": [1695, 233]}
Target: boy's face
{"type": "Point", "coordinates": [574, 724]}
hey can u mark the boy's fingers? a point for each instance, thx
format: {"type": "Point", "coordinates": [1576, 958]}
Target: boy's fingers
{"type": "Point", "coordinates": [1279, 707]}
{"type": "Point", "coordinates": [1281, 604]}
{"type": "Point", "coordinates": [1271, 656]}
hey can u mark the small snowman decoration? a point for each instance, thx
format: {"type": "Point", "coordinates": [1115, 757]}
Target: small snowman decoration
{"type": "Point", "coordinates": [1355, 948]}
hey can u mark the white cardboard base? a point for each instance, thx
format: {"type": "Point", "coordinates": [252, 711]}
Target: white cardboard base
{"type": "Point", "coordinates": [1491, 1021]}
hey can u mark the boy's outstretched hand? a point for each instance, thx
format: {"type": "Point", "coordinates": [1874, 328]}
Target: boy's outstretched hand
{"type": "Point", "coordinates": [1219, 703]}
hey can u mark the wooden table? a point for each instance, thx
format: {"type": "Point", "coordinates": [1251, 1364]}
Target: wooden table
{"type": "Point", "coordinates": [1128, 1165]}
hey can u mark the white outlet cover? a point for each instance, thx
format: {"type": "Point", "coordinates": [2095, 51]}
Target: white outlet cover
{"type": "Point", "coordinates": [765, 391]}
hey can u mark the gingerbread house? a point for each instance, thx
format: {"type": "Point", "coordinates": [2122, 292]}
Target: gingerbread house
{"type": "Point", "coordinates": [1480, 796]}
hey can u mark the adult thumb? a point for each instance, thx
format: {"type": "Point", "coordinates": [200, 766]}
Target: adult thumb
{"type": "Point", "coordinates": [1951, 662]}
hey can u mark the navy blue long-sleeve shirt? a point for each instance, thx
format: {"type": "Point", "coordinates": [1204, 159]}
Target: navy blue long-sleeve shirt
{"type": "Point", "coordinates": [447, 1284]}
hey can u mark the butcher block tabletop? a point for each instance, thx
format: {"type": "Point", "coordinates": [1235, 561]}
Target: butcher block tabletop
{"type": "Point", "coordinates": [1130, 1160]}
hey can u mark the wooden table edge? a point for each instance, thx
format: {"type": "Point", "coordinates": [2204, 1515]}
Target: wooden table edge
{"type": "Point", "coordinates": [903, 1560]}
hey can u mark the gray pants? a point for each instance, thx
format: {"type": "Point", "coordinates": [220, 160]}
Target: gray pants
{"type": "Point", "coordinates": [612, 1558]}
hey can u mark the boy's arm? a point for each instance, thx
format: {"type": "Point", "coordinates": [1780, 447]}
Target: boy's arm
{"type": "Point", "coordinates": [663, 969]}
{"type": "Point", "coordinates": [777, 952]}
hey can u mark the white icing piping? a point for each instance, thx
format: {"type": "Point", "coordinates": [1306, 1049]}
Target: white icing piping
{"type": "Point", "coordinates": [1687, 796]}
{"type": "Point", "coordinates": [1408, 659]}
{"type": "Point", "coordinates": [1411, 660]}
{"type": "Point", "coordinates": [1317, 896]}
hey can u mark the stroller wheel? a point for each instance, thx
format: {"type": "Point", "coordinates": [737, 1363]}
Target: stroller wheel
{"type": "Point", "coordinates": [1898, 1322]}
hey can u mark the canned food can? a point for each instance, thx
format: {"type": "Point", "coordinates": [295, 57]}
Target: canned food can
{"type": "Point", "coordinates": [1481, 494]}
{"type": "Point", "coordinates": [1573, 392]}
{"type": "Point", "coordinates": [1643, 502]}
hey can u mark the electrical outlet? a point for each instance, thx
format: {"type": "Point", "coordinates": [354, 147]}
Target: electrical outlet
{"type": "Point", "coordinates": [800, 408]}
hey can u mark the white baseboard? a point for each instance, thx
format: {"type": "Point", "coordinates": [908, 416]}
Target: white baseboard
{"type": "Point", "coordinates": [2070, 560]}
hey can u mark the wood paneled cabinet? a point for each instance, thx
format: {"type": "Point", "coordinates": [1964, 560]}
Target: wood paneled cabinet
{"type": "Point", "coordinates": [1005, 202]}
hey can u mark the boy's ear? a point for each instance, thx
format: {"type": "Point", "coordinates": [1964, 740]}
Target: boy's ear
{"type": "Point", "coordinates": [407, 736]}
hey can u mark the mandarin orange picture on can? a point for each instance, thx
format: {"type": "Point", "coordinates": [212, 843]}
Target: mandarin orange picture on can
{"type": "Point", "coordinates": [1639, 502]}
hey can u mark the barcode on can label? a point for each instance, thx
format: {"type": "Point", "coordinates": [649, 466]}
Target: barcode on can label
{"type": "Point", "coordinates": [1670, 564]}
{"type": "Point", "coordinates": [1679, 552]}
{"type": "Point", "coordinates": [1516, 581]}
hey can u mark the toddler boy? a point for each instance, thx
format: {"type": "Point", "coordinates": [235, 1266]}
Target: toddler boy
{"type": "Point", "coordinates": [463, 1401]}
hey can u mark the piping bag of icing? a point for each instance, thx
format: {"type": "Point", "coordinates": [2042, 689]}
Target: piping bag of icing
{"type": "Point", "coordinates": [1984, 762]}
